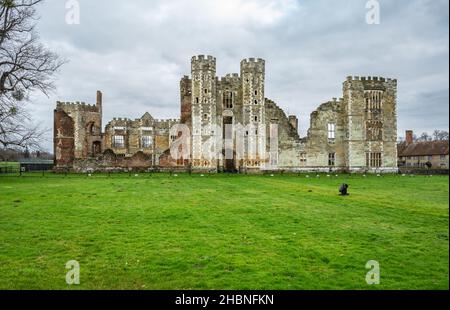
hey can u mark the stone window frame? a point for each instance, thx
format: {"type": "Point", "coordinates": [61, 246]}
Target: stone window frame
{"type": "Point", "coordinates": [146, 142]}
{"type": "Point", "coordinates": [376, 130]}
{"type": "Point", "coordinates": [228, 99]}
{"type": "Point", "coordinates": [118, 141]}
{"type": "Point", "coordinates": [374, 159]}
{"type": "Point", "coordinates": [374, 100]}
{"type": "Point", "coordinates": [331, 131]}
{"type": "Point", "coordinates": [331, 159]}
{"type": "Point", "coordinates": [303, 158]}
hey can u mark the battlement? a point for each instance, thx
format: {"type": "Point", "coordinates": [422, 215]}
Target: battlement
{"type": "Point", "coordinates": [253, 65]}
{"type": "Point", "coordinates": [171, 120]}
{"type": "Point", "coordinates": [203, 63]}
{"type": "Point", "coordinates": [76, 106]}
{"type": "Point", "coordinates": [230, 77]}
{"type": "Point", "coordinates": [120, 119]}
{"type": "Point", "coordinates": [203, 58]}
{"type": "Point", "coordinates": [253, 61]}
{"type": "Point", "coordinates": [370, 78]}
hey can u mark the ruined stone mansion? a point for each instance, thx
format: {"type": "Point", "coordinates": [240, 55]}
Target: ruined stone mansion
{"type": "Point", "coordinates": [356, 133]}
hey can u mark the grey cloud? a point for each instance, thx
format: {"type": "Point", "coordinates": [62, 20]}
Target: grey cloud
{"type": "Point", "coordinates": [136, 52]}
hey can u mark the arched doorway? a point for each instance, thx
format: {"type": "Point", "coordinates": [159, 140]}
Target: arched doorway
{"type": "Point", "coordinates": [96, 148]}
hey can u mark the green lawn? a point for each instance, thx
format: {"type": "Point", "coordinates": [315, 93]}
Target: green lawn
{"type": "Point", "coordinates": [224, 232]}
{"type": "Point", "coordinates": [9, 164]}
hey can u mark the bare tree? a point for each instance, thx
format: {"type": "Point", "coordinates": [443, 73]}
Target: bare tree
{"type": "Point", "coordinates": [440, 135]}
{"type": "Point", "coordinates": [424, 137]}
{"type": "Point", "coordinates": [26, 66]}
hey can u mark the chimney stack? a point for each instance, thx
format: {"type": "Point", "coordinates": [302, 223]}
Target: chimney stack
{"type": "Point", "coordinates": [409, 137]}
{"type": "Point", "coordinates": [99, 103]}
{"type": "Point", "coordinates": [99, 98]}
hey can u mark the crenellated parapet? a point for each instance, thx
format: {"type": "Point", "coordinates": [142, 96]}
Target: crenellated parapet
{"type": "Point", "coordinates": [371, 78]}
{"type": "Point", "coordinates": [253, 65]}
{"type": "Point", "coordinates": [203, 63]}
{"type": "Point", "coordinates": [370, 83]}
{"type": "Point", "coordinates": [166, 122]}
{"type": "Point", "coordinates": [230, 78]}
{"type": "Point", "coordinates": [77, 106]}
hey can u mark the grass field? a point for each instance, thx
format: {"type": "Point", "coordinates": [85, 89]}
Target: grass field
{"type": "Point", "coordinates": [9, 164]}
{"type": "Point", "coordinates": [224, 232]}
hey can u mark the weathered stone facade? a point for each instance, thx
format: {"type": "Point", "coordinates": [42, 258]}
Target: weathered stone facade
{"type": "Point", "coordinates": [356, 133]}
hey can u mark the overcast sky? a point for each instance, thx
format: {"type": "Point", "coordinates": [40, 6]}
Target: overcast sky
{"type": "Point", "coordinates": [136, 51]}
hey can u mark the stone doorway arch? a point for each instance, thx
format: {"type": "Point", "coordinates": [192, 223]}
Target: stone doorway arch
{"type": "Point", "coordinates": [96, 148]}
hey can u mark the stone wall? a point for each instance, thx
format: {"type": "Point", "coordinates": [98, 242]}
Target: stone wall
{"type": "Point", "coordinates": [319, 145]}
{"type": "Point", "coordinates": [64, 145]}
{"type": "Point", "coordinates": [349, 134]}
{"type": "Point", "coordinates": [371, 119]}
{"type": "Point", "coordinates": [84, 122]}
{"type": "Point", "coordinates": [147, 135]}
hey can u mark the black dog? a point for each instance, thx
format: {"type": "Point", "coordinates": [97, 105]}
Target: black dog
{"type": "Point", "coordinates": [344, 190]}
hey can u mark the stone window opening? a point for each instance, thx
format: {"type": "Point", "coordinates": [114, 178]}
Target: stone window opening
{"type": "Point", "coordinates": [256, 101]}
{"type": "Point", "coordinates": [373, 160]}
{"type": "Point", "coordinates": [228, 100]}
{"type": "Point", "coordinates": [206, 91]}
{"type": "Point", "coordinates": [197, 100]}
{"type": "Point", "coordinates": [146, 142]}
{"type": "Point", "coordinates": [331, 159]}
{"type": "Point", "coordinates": [256, 93]}
{"type": "Point", "coordinates": [331, 131]}
{"type": "Point", "coordinates": [256, 118]}
{"type": "Point", "coordinates": [374, 131]}
{"type": "Point", "coordinates": [205, 116]}
{"type": "Point", "coordinates": [303, 158]}
{"type": "Point", "coordinates": [119, 142]}
{"type": "Point", "coordinates": [374, 101]}
{"type": "Point", "coordinates": [92, 129]}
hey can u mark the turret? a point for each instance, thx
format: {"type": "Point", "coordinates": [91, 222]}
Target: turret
{"type": "Point", "coordinates": [203, 107]}
{"type": "Point", "coordinates": [253, 75]}
{"type": "Point", "coordinates": [253, 115]}
{"type": "Point", "coordinates": [203, 63]}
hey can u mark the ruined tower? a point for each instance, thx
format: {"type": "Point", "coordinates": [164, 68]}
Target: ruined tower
{"type": "Point", "coordinates": [370, 113]}
{"type": "Point", "coordinates": [253, 114]}
{"type": "Point", "coordinates": [77, 131]}
{"type": "Point", "coordinates": [204, 114]}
